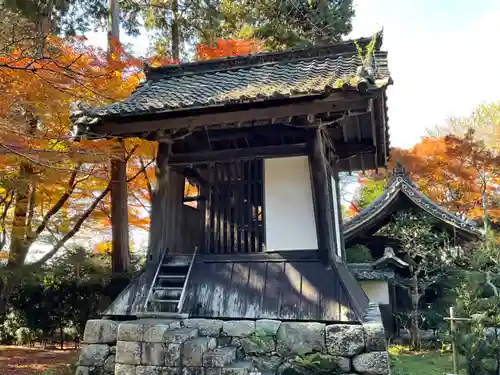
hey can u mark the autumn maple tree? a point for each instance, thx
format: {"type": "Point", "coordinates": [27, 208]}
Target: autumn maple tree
{"type": "Point", "coordinates": [459, 173]}
{"type": "Point", "coordinates": [228, 48]}
{"type": "Point", "coordinates": [51, 187]}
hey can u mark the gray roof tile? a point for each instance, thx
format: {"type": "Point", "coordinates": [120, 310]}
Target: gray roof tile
{"type": "Point", "coordinates": [248, 79]}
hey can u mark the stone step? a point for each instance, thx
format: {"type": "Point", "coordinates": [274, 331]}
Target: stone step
{"type": "Point", "coordinates": [219, 357]}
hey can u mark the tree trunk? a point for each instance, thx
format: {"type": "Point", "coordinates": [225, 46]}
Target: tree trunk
{"type": "Point", "coordinates": [19, 234]}
{"type": "Point", "coordinates": [25, 189]}
{"type": "Point", "coordinates": [61, 335]}
{"type": "Point", "coordinates": [176, 38]}
{"type": "Point", "coordinates": [415, 314]}
{"type": "Point", "coordinates": [120, 255]}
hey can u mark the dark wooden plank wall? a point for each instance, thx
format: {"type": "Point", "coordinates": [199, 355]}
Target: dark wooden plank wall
{"type": "Point", "coordinates": [174, 210]}
{"type": "Point", "coordinates": [132, 299]}
{"type": "Point", "coordinates": [359, 299]}
{"type": "Point", "coordinates": [289, 290]}
{"type": "Point", "coordinates": [192, 226]}
{"type": "Point", "coordinates": [167, 208]}
{"type": "Point", "coordinates": [234, 217]}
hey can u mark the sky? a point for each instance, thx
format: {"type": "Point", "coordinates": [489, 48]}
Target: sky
{"type": "Point", "coordinates": [443, 57]}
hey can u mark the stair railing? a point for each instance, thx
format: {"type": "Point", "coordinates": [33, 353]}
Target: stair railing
{"type": "Point", "coordinates": [153, 283]}
{"type": "Point", "coordinates": [183, 293]}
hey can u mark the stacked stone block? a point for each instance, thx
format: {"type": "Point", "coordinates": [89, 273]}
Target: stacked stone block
{"type": "Point", "coordinates": [216, 347]}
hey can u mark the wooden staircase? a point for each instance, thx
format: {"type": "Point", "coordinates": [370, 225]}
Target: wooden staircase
{"type": "Point", "coordinates": [168, 288]}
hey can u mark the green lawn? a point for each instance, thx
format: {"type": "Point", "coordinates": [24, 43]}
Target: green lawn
{"type": "Point", "coordinates": [422, 363]}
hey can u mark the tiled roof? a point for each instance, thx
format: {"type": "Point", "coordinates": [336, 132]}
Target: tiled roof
{"type": "Point", "coordinates": [400, 185]}
{"type": "Point", "coordinates": [366, 271]}
{"type": "Point", "coordinates": [251, 78]}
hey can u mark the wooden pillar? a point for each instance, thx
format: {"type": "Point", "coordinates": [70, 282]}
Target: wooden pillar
{"type": "Point", "coordinates": [174, 213]}
{"type": "Point", "coordinates": [339, 233]}
{"type": "Point", "coordinates": [166, 207]}
{"type": "Point", "coordinates": [322, 199]}
{"type": "Point", "coordinates": [157, 234]}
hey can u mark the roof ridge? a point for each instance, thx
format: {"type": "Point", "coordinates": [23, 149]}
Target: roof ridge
{"type": "Point", "coordinates": [343, 47]}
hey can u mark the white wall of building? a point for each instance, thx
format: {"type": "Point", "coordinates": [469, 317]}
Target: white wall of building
{"type": "Point", "coordinates": [289, 211]}
{"type": "Point", "coordinates": [376, 290]}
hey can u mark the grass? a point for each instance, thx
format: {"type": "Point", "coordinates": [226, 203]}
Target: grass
{"type": "Point", "coordinates": [404, 362]}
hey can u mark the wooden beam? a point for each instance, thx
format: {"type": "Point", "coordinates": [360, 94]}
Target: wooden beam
{"type": "Point", "coordinates": [194, 199]}
{"type": "Point", "coordinates": [192, 174]}
{"type": "Point", "coordinates": [331, 104]}
{"type": "Point", "coordinates": [182, 159]}
{"type": "Point", "coordinates": [245, 132]}
{"type": "Point", "coordinates": [374, 131]}
{"type": "Point", "coordinates": [238, 154]}
{"type": "Point", "coordinates": [277, 256]}
{"type": "Point", "coordinates": [348, 150]}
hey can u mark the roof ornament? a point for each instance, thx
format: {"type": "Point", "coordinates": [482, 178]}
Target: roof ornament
{"type": "Point", "coordinates": [399, 170]}
{"type": "Point", "coordinates": [389, 252]}
{"type": "Point", "coordinates": [147, 69]}
{"type": "Point", "coordinates": [81, 121]}
{"type": "Point", "coordinates": [390, 257]}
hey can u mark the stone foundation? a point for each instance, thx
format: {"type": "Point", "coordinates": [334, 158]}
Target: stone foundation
{"type": "Point", "coordinates": [244, 347]}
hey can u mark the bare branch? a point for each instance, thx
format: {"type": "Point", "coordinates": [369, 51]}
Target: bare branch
{"type": "Point", "coordinates": [58, 205]}
{"type": "Point", "coordinates": [74, 230]}
{"type": "Point", "coordinates": [142, 170]}
{"type": "Point", "coordinates": [148, 182]}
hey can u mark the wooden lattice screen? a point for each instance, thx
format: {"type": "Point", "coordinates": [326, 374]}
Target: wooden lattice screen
{"type": "Point", "coordinates": [234, 215]}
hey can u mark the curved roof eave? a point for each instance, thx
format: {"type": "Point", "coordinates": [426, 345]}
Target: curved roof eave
{"type": "Point", "coordinates": [401, 184]}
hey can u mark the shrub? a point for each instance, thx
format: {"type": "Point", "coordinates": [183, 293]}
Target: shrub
{"type": "Point", "coordinates": [358, 254]}
{"type": "Point", "coordinates": [11, 323]}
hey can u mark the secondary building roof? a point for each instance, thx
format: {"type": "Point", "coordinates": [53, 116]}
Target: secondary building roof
{"type": "Point", "coordinates": [401, 193]}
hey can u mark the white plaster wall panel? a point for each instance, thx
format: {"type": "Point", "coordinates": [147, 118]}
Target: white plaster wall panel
{"type": "Point", "coordinates": [376, 290]}
{"type": "Point", "coordinates": [289, 211]}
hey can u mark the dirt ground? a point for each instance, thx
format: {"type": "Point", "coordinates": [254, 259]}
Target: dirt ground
{"type": "Point", "coordinates": [15, 360]}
